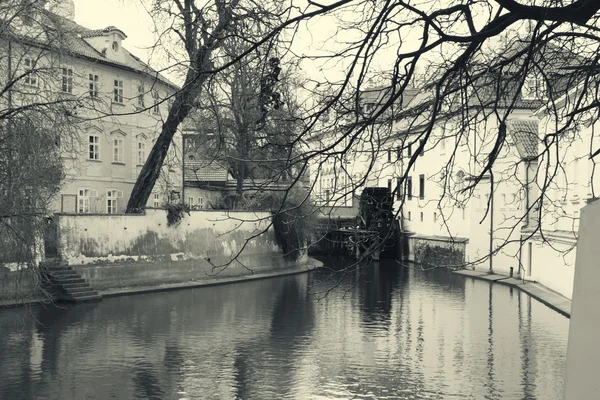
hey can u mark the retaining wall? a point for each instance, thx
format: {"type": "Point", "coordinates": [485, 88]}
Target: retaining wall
{"type": "Point", "coordinates": [437, 250]}
{"type": "Point", "coordinates": [132, 250]}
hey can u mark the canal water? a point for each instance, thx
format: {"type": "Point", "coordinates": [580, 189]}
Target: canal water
{"type": "Point", "coordinates": [386, 332]}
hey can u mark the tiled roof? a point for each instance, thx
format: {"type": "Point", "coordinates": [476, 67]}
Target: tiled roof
{"type": "Point", "coordinates": [205, 171]}
{"type": "Point", "coordinates": [524, 133]}
{"type": "Point", "coordinates": [69, 37]}
{"type": "Point", "coordinates": [99, 32]}
{"type": "Point", "coordinates": [379, 95]}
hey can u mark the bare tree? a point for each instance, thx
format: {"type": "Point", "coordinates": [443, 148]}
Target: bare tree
{"type": "Point", "coordinates": [471, 63]}
{"type": "Point", "coordinates": [37, 124]}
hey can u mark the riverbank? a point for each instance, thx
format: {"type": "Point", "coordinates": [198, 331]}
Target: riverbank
{"type": "Point", "coordinates": [311, 265]}
{"type": "Point", "coordinates": [555, 301]}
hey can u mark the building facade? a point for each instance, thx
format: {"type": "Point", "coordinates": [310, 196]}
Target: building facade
{"type": "Point", "coordinates": [117, 104]}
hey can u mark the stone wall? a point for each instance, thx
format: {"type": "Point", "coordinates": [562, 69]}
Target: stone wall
{"type": "Point", "coordinates": [131, 250]}
{"type": "Point", "coordinates": [441, 252]}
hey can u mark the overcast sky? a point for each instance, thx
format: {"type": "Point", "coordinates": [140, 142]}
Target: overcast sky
{"type": "Point", "coordinates": [130, 17]}
{"type": "Point", "coordinates": [127, 15]}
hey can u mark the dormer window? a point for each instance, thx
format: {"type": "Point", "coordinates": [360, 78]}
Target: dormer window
{"type": "Point", "coordinates": [534, 87]}
{"type": "Point", "coordinates": [115, 46]}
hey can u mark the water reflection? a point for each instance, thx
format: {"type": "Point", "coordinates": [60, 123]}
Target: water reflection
{"type": "Point", "coordinates": [383, 332]}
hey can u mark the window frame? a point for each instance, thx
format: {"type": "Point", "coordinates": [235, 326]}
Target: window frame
{"type": "Point", "coordinates": [112, 200]}
{"type": "Point", "coordinates": [93, 80]}
{"type": "Point", "coordinates": [31, 79]}
{"type": "Point", "coordinates": [83, 200]}
{"type": "Point", "coordinates": [118, 91]}
{"type": "Point", "coordinates": [141, 147]}
{"type": "Point", "coordinates": [156, 102]}
{"type": "Point", "coordinates": [94, 147]}
{"type": "Point", "coordinates": [118, 150]}
{"type": "Point", "coordinates": [534, 87]}
{"type": "Point", "coordinates": [141, 103]}
{"type": "Point", "coordinates": [422, 187]}
{"type": "Point", "coordinates": [409, 194]}
{"type": "Point", "coordinates": [156, 200]}
{"type": "Point", "coordinates": [67, 80]}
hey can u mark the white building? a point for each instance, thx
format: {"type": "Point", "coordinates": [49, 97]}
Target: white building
{"type": "Point", "coordinates": [119, 102]}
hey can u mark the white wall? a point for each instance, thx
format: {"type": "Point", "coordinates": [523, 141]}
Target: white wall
{"type": "Point", "coordinates": [583, 354]}
{"type": "Point", "coordinates": [86, 239]}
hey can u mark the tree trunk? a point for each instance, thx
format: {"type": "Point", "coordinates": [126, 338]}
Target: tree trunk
{"type": "Point", "coordinates": [179, 111]}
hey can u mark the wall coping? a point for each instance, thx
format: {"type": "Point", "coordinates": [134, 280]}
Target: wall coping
{"type": "Point", "coordinates": [440, 239]}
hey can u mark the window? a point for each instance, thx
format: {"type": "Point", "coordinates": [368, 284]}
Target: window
{"type": "Point", "coordinates": [399, 188]}
{"type": "Point", "coordinates": [434, 217]}
{"type": "Point", "coordinates": [118, 150]}
{"type": "Point", "coordinates": [398, 153]}
{"type": "Point", "coordinates": [191, 201]}
{"type": "Point", "coordinates": [118, 91]}
{"type": "Point", "coordinates": [156, 98]}
{"type": "Point", "coordinates": [409, 150]}
{"type": "Point", "coordinates": [460, 180]}
{"type": "Point", "coordinates": [112, 196]}
{"type": "Point", "coordinates": [141, 155]}
{"type": "Point", "coordinates": [140, 97]}
{"type": "Point", "coordinates": [93, 85]}
{"type": "Point", "coordinates": [421, 186]}
{"type": "Point", "coordinates": [201, 202]}
{"type": "Point", "coordinates": [534, 88]}
{"type": "Point", "coordinates": [67, 80]}
{"type": "Point", "coordinates": [390, 185]}
{"type": "Point", "coordinates": [115, 46]}
{"type": "Point", "coordinates": [94, 143]}
{"type": "Point", "coordinates": [463, 212]}
{"type": "Point", "coordinates": [422, 147]}
{"type": "Point", "coordinates": [421, 216]}
{"type": "Point", "coordinates": [156, 200]}
{"type": "Point", "coordinates": [409, 187]}
{"type": "Point", "coordinates": [389, 154]}
{"type": "Point", "coordinates": [83, 201]}
{"type": "Point", "coordinates": [31, 77]}
{"type": "Point", "coordinates": [409, 216]}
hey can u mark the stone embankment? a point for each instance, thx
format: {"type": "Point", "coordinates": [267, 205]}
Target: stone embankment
{"type": "Point", "coordinates": [120, 254]}
{"type": "Point", "coordinates": [539, 292]}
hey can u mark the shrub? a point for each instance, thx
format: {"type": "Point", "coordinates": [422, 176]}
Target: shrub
{"type": "Point", "coordinates": [175, 213]}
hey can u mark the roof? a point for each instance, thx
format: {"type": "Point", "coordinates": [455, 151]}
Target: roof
{"type": "Point", "coordinates": [70, 37]}
{"type": "Point", "coordinates": [381, 94]}
{"type": "Point", "coordinates": [101, 32]}
{"type": "Point", "coordinates": [205, 171]}
{"type": "Point", "coordinates": [524, 133]}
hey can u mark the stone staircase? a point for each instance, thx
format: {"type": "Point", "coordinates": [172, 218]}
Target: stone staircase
{"type": "Point", "coordinates": [68, 286]}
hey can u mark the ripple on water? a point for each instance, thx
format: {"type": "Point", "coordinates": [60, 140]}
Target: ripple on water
{"type": "Point", "coordinates": [396, 334]}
